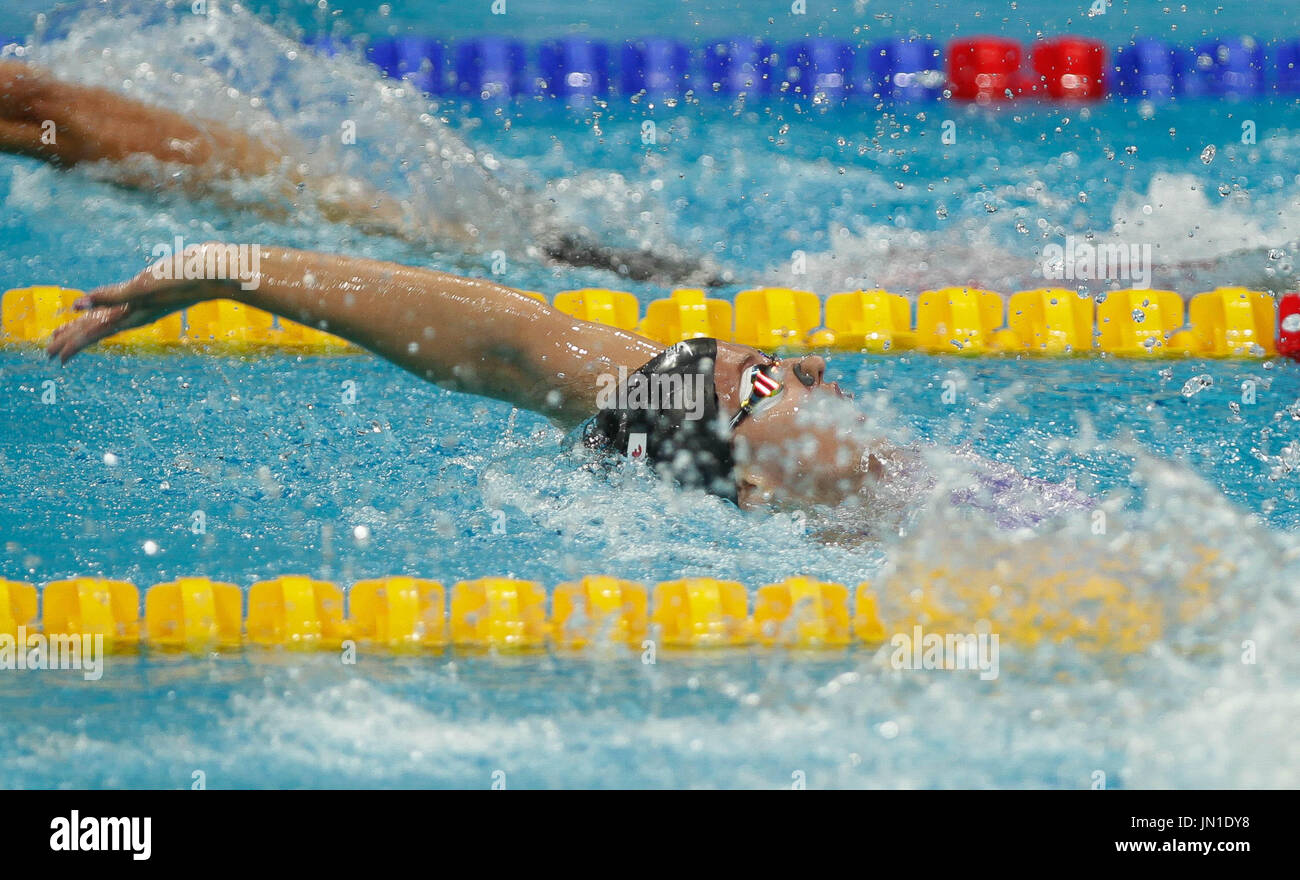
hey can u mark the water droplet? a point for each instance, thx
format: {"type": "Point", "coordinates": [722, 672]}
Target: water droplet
{"type": "Point", "coordinates": [1207, 155]}
{"type": "Point", "coordinates": [1197, 384]}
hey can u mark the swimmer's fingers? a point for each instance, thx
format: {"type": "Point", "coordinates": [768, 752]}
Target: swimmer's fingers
{"type": "Point", "coordinates": [145, 290]}
{"type": "Point", "coordinates": [88, 329]}
{"type": "Point", "coordinates": [111, 294]}
{"type": "Point", "coordinates": [23, 138]}
{"type": "Point", "coordinates": [116, 307]}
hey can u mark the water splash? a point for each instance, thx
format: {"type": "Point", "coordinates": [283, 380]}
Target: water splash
{"type": "Point", "coordinates": [231, 67]}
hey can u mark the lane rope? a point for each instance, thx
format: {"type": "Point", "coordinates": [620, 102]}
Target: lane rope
{"type": "Point", "coordinates": [1225, 322]}
{"type": "Point", "coordinates": [1092, 611]}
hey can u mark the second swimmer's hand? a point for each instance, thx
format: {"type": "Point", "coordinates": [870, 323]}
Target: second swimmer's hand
{"type": "Point", "coordinates": [113, 308]}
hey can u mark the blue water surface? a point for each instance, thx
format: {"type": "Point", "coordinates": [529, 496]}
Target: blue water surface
{"type": "Point", "coordinates": [1183, 456]}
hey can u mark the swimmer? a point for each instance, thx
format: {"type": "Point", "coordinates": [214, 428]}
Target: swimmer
{"type": "Point", "coordinates": [754, 438]}
{"type": "Point", "coordinates": [740, 442]}
{"type": "Point", "coordinates": [70, 125]}
{"type": "Point", "coordinates": [732, 420]}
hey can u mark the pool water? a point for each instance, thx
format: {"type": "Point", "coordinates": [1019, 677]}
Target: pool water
{"type": "Point", "coordinates": [410, 479]}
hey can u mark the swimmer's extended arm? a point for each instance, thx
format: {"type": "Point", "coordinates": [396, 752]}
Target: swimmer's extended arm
{"type": "Point", "coordinates": [466, 334]}
{"type": "Point", "coordinates": [67, 124]}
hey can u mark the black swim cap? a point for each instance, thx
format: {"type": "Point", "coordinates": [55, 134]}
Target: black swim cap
{"type": "Point", "coordinates": [666, 413]}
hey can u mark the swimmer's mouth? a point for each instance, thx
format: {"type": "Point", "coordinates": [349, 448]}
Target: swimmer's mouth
{"type": "Point", "coordinates": [838, 391]}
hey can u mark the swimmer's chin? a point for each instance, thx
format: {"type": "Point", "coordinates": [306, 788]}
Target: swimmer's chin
{"type": "Point", "coordinates": [854, 476]}
{"type": "Point", "coordinates": [808, 494]}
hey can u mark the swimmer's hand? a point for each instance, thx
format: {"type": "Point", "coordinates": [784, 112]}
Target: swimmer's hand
{"type": "Point", "coordinates": [113, 308]}
{"type": "Point", "coordinates": [638, 265]}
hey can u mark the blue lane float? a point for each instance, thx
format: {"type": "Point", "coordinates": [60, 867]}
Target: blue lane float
{"type": "Point", "coordinates": [1146, 68]}
{"type": "Point", "coordinates": [1231, 67]}
{"type": "Point", "coordinates": [421, 60]}
{"type": "Point", "coordinates": [574, 68]}
{"type": "Point", "coordinates": [658, 69]}
{"type": "Point", "coordinates": [907, 70]}
{"type": "Point", "coordinates": [1286, 60]}
{"type": "Point", "coordinates": [738, 67]}
{"type": "Point", "coordinates": [820, 70]}
{"type": "Point", "coordinates": [491, 68]}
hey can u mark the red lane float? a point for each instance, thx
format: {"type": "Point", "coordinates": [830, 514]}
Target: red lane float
{"type": "Point", "coordinates": [1069, 68]}
{"type": "Point", "coordinates": [1288, 325]}
{"type": "Point", "coordinates": [984, 69]}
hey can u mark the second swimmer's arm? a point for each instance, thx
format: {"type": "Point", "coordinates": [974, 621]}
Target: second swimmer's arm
{"type": "Point", "coordinates": [466, 334]}
{"type": "Point", "coordinates": [88, 125]}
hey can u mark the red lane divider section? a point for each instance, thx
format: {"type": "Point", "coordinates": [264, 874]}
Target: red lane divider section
{"type": "Point", "coordinates": [988, 70]}
{"type": "Point", "coordinates": [1288, 325]}
{"type": "Point", "coordinates": [1070, 69]}
{"type": "Point", "coordinates": [984, 69]}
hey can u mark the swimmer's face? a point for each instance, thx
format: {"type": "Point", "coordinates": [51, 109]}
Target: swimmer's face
{"type": "Point", "coordinates": [783, 457]}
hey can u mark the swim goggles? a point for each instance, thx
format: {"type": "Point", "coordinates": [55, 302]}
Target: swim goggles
{"type": "Point", "coordinates": [763, 387]}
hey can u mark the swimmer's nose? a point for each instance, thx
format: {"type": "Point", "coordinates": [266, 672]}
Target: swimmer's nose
{"type": "Point", "coordinates": [810, 370]}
